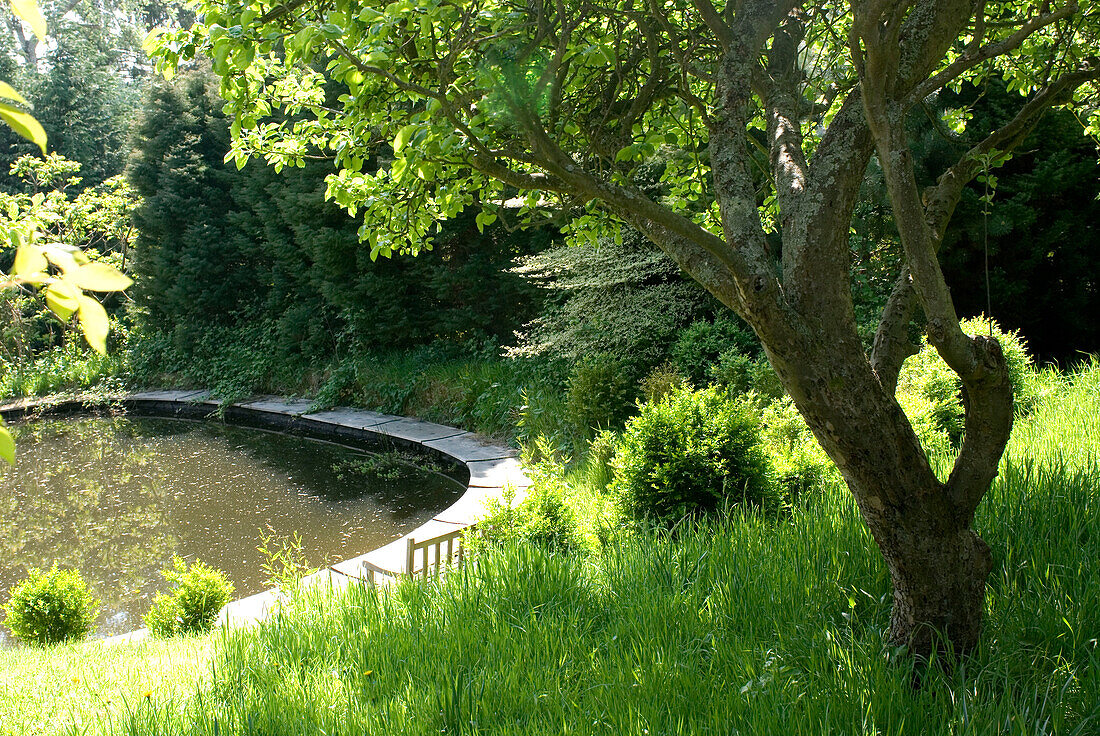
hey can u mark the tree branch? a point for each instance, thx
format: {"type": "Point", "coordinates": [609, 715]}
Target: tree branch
{"type": "Point", "coordinates": [943, 198]}
{"type": "Point", "coordinates": [972, 58]}
{"type": "Point", "coordinates": [892, 345]}
{"type": "Point", "coordinates": [714, 22]}
{"type": "Point", "coordinates": [779, 92]}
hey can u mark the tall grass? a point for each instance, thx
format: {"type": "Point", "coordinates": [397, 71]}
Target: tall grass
{"type": "Point", "coordinates": [68, 368]}
{"type": "Point", "coordinates": [744, 624]}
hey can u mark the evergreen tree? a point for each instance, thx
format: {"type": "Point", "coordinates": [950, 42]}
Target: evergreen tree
{"type": "Point", "coordinates": [190, 272]}
{"type": "Point", "coordinates": [218, 247]}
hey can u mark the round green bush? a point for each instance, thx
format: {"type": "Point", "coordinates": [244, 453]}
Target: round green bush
{"type": "Point", "coordinates": [198, 594]}
{"type": "Point", "coordinates": [599, 396]}
{"type": "Point", "coordinates": [51, 607]}
{"type": "Point", "coordinates": [699, 346]}
{"type": "Point", "coordinates": [692, 452]}
{"type": "Point", "coordinates": [930, 393]}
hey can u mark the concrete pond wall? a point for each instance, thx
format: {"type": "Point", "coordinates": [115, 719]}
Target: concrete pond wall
{"type": "Point", "coordinates": [486, 468]}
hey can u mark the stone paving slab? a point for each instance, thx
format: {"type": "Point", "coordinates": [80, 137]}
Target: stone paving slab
{"type": "Point", "coordinates": [472, 506]}
{"type": "Point", "coordinates": [328, 578]}
{"type": "Point", "coordinates": [469, 447]}
{"type": "Point", "coordinates": [275, 405]}
{"type": "Point", "coordinates": [208, 399]}
{"type": "Point", "coordinates": [165, 395]}
{"type": "Point", "coordinates": [415, 430]}
{"type": "Point", "coordinates": [245, 611]}
{"type": "Point", "coordinates": [497, 473]}
{"type": "Point", "coordinates": [132, 637]}
{"type": "Point", "coordinates": [354, 418]}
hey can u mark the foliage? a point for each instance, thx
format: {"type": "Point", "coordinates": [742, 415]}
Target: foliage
{"type": "Point", "coordinates": [931, 393]}
{"type": "Point", "coordinates": [19, 120]}
{"type": "Point", "coordinates": [623, 299]}
{"type": "Point", "coordinates": [699, 348]}
{"type": "Point", "coordinates": [598, 468]}
{"type": "Point", "coordinates": [542, 518]}
{"type": "Point", "coordinates": [599, 394]}
{"type": "Point", "coordinates": [740, 373]}
{"type": "Point", "coordinates": [69, 367]}
{"type": "Point", "coordinates": [85, 108]}
{"type": "Point", "coordinates": [183, 248]}
{"type": "Point", "coordinates": [221, 249]}
{"type": "Point", "coordinates": [760, 119]}
{"type": "Point", "coordinates": [691, 613]}
{"type": "Point", "coordinates": [58, 269]}
{"type": "Point", "coordinates": [798, 464]}
{"type": "Point", "coordinates": [695, 451]}
{"type": "Point", "coordinates": [396, 465]}
{"type": "Point", "coordinates": [1035, 241]}
{"type": "Point", "coordinates": [198, 594]}
{"type": "Point", "coordinates": [61, 268]}
{"type": "Point", "coordinates": [284, 562]}
{"type": "Point", "coordinates": [561, 511]}
{"type": "Point", "coordinates": [663, 380]}
{"type": "Point", "coordinates": [51, 607]}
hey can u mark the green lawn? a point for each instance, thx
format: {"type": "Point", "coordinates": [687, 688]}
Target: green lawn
{"type": "Point", "coordinates": [89, 688]}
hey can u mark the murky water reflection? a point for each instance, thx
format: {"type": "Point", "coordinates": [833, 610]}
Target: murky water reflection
{"type": "Point", "coordinates": [117, 497]}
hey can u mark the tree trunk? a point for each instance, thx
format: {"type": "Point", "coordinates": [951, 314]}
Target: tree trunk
{"type": "Point", "coordinates": [939, 590]}
{"type": "Point", "coordinates": [938, 566]}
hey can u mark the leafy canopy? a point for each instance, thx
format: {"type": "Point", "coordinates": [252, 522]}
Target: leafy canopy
{"type": "Point", "coordinates": [474, 96]}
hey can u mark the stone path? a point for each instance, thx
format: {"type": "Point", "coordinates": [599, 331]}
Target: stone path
{"type": "Point", "coordinates": [491, 468]}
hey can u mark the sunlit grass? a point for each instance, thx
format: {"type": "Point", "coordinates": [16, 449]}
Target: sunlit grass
{"type": "Point", "coordinates": [89, 688]}
{"type": "Point", "coordinates": [746, 624]}
{"type": "Point", "coordinates": [70, 368]}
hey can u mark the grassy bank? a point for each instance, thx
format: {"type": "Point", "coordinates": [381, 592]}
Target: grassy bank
{"type": "Point", "coordinates": [90, 688]}
{"type": "Point", "coordinates": [745, 623]}
{"type": "Point", "coordinates": [741, 624]}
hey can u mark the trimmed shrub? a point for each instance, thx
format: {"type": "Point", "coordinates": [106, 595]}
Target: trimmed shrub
{"type": "Point", "coordinates": [661, 381]}
{"type": "Point", "coordinates": [798, 464]}
{"type": "Point", "coordinates": [192, 606]}
{"type": "Point", "coordinates": [692, 452]}
{"type": "Point", "coordinates": [51, 607]}
{"type": "Point", "coordinates": [699, 346]}
{"type": "Point", "coordinates": [931, 393]}
{"type": "Point", "coordinates": [740, 373]}
{"type": "Point", "coordinates": [599, 395]}
{"type": "Point", "coordinates": [542, 518]}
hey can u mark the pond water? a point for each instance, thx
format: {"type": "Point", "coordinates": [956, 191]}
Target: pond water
{"type": "Point", "coordinates": [116, 498]}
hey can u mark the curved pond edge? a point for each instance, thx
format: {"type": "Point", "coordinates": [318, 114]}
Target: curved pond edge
{"type": "Point", "coordinates": [486, 468]}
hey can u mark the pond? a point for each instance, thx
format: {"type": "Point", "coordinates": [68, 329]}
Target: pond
{"type": "Point", "coordinates": [116, 498]}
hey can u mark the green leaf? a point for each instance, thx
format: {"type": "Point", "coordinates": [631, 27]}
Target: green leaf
{"type": "Point", "coordinates": [7, 445]}
{"type": "Point", "coordinates": [403, 136]}
{"type": "Point", "coordinates": [9, 92]}
{"type": "Point", "coordinates": [28, 10]}
{"type": "Point", "coordinates": [61, 255]}
{"type": "Point", "coordinates": [28, 260]}
{"type": "Point", "coordinates": [151, 42]}
{"type": "Point", "coordinates": [62, 298]}
{"type": "Point", "coordinates": [94, 323]}
{"type": "Point", "coordinates": [101, 277]}
{"type": "Point", "coordinates": [24, 124]}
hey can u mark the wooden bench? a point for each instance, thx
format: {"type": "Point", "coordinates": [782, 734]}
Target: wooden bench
{"type": "Point", "coordinates": [435, 554]}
